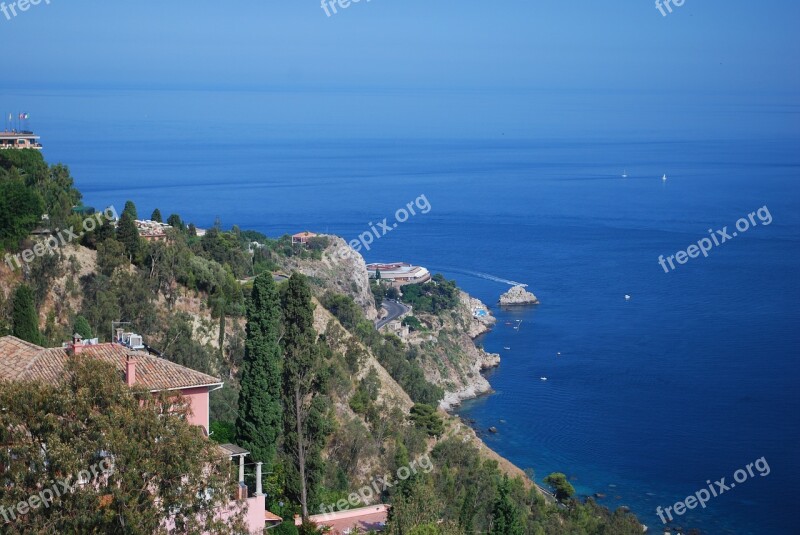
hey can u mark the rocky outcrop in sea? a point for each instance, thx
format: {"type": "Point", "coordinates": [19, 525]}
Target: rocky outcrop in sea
{"type": "Point", "coordinates": [518, 295]}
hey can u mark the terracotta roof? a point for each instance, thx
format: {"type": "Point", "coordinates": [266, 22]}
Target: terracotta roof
{"type": "Point", "coordinates": [22, 361]}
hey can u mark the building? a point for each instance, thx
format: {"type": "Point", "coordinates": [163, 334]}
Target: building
{"type": "Point", "coordinates": [23, 361]}
{"type": "Point", "coordinates": [152, 230]}
{"type": "Point", "coordinates": [302, 238]}
{"type": "Point", "coordinates": [362, 520]}
{"type": "Point", "coordinates": [12, 139]}
{"type": "Point", "coordinates": [399, 273]}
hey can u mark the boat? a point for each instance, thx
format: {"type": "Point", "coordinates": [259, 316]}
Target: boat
{"type": "Point", "coordinates": [543, 378]}
{"type": "Point", "coordinates": [664, 178]}
{"type": "Point", "coordinates": [559, 353]}
{"type": "Point", "coordinates": [506, 348]}
{"type": "Point", "coordinates": [627, 297]}
{"type": "Point", "coordinates": [625, 174]}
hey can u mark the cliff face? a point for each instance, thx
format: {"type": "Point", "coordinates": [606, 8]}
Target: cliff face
{"type": "Point", "coordinates": [450, 358]}
{"type": "Point", "coordinates": [341, 270]}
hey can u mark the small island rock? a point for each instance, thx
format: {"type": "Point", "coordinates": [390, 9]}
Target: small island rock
{"type": "Point", "coordinates": [518, 295]}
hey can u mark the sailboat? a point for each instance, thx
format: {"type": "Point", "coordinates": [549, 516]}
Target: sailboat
{"type": "Point", "coordinates": [625, 174]}
{"type": "Point", "coordinates": [664, 178]}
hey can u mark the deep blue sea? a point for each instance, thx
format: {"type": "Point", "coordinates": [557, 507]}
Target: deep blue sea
{"type": "Point", "coordinates": [691, 379]}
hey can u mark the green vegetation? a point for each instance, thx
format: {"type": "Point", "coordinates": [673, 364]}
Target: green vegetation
{"type": "Point", "coordinates": [81, 327]}
{"type": "Point", "coordinates": [24, 318]}
{"type": "Point", "coordinates": [101, 420]}
{"type": "Point", "coordinates": [259, 423]}
{"type": "Point", "coordinates": [432, 297]}
{"type": "Point", "coordinates": [562, 487]}
{"type": "Point", "coordinates": [413, 323]}
{"type": "Point", "coordinates": [426, 418]}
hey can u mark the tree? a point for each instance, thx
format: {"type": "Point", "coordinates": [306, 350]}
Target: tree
{"type": "Point", "coordinates": [156, 216]}
{"type": "Point", "coordinates": [259, 420]}
{"type": "Point", "coordinates": [130, 209]}
{"type": "Point", "coordinates": [149, 464]}
{"type": "Point", "coordinates": [110, 256]}
{"type": "Point", "coordinates": [506, 518]}
{"type": "Point", "coordinates": [305, 425]}
{"type": "Point", "coordinates": [175, 222]}
{"type": "Point", "coordinates": [425, 417]}
{"type": "Point", "coordinates": [24, 318]}
{"type": "Point", "coordinates": [81, 327]}
{"type": "Point", "coordinates": [128, 235]}
{"type": "Point", "coordinates": [563, 489]}
{"type": "Point", "coordinates": [20, 211]}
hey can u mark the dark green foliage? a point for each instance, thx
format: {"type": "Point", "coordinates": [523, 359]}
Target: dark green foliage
{"type": "Point", "coordinates": [305, 419]}
{"type": "Point", "coordinates": [363, 400]}
{"type": "Point", "coordinates": [111, 255]}
{"type": "Point", "coordinates": [24, 318]}
{"type": "Point", "coordinates": [128, 236]}
{"type": "Point", "coordinates": [226, 249]}
{"type": "Point", "coordinates": [81, 326]}
{"type": "Point", "coordinates": [259, 421]}
{"type": "Point", "coordinates": [286, 528]}
{"type": "Point", "coordinates": [393, 355]}
{"type": "Point", "coordinates": [156, 216]}
{"type": "Point", "coordinates": [413, 323]}
{"type": "Point", "coordinates": [378, 292]}
{"type": "Point", "coordinates": [432, 297]}
{"type": "Point", "coordinates": [344, 308]}
{"type": "Point", "coordinates": [222, 432]}
{"type": "Point", "coordinates": [130, 209]}
{"type": "Point", "coordinates": [174, 220]}
{"type": "Point", "coordinates": [318, 243]}
{"type": "Point", "coordinates": [506, 518]}
{"type": "Point", "coordinates": [20, 211]}
{"type": "Point", "coordinates": [562, 487]}
{"type": "Point", "coordinates": [426, 418]}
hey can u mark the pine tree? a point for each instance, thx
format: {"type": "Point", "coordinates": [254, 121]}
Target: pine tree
{"type": "Point", "coordinates": [128, 235]}
{"type": "Point", "coordinates": [305, 419]}
{"type": "Point", "coordinates": [505, 515]}
{"type": "Point", "coordinates": [156, 216]}
{"type": "Point", "coordinates": [25, 320]}
{"type": "Point", "coordinates": [259, 422]}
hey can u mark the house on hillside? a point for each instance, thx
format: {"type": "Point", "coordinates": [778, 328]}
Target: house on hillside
{"type": "Point", "coordinates": [302, 238]}
{"type": "Point", "coordinates": [23, 361]}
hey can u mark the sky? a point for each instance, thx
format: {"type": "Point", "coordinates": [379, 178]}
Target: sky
{"type": "Point", "coordinates": [396, 45]}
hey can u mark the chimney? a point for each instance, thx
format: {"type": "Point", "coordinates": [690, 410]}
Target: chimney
{"type": "Point", "coordinates": [130, 370]}
{"type": "Point", "coordinates": [77, 344]}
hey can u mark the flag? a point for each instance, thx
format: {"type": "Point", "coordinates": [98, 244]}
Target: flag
{"type": "Point", "coordinates": [23, 116]}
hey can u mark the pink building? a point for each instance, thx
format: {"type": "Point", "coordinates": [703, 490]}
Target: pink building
{"type": "Point", "coordinates": [23, 361]}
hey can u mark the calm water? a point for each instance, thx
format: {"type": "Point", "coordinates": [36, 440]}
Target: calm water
{"type": "Point", "coordinates": [693, 378]}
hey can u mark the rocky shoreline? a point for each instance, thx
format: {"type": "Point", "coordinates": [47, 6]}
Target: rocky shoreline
{"type": "Point", "coordinates": [518, 295]}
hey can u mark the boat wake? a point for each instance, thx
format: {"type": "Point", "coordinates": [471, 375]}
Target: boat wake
{"type": "Point", "coordinates": [486, 276]}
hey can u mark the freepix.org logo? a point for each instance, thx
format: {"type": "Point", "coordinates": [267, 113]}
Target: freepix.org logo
{"type": "Point", "coordinates": [12, 9]}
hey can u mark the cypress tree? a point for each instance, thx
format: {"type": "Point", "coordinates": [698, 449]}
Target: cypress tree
{"type": "Point", "coordinates": [259, 421]}
{"type": "Point", "coordinates": [130, 209]}
{"type": "Point", "coordinates": [305, 421]}
{"type": "Point", "coordinates": [82, 327]}
{"type": "Point", "coordinates": [156, 215]}
{"type": "Point", "coordinates": [24, 319]}
{"type": "Point", "coordinates": [128, 235]}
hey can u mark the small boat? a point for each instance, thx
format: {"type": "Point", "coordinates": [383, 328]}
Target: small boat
{"type": "Point", "coordinates": [506, 348]}
{"type": "Point", "coordinates": [664, 178]}
{"type": "Point", "coordinates": [627, 297]}
{"type": "Point", "coordinates": [508, 323]}
{"type": "Point", "coordinates": [543, 378]}
{"type": "Point", "coordinates": [559, 353]}
{"type": "Point", "coordinates": [625, 174]}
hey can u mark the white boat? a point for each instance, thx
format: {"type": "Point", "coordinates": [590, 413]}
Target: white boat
{"type": "Point", "coordinates": [627, 297]}
{"type": "Point", "coordinates": [625, 174]}
{"type": "Point", "coordinates": [506, 348]}
{"type": "Point", "coordinates": [543, 378]}
{"type": "Point", "coordinates": [664, 178]}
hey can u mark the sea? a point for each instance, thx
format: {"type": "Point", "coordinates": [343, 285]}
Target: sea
{"type": "Point", "coordinates": [648, 399]}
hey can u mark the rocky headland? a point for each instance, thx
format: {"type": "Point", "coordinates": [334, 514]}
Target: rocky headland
{"type": "Point", "coordinates": [518, 295]}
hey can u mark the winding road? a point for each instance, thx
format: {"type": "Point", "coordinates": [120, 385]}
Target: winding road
{"type": "Point", "coordinates": [394, 310]}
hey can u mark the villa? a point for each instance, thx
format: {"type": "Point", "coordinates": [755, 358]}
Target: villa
{"type": "Point", "coordinates": [302, 238]}
{"type": "Point", "coordinates": [399, 273]}
{"type": "Point", "coordinates": [12, 139]}
{"type": "Point", "coordinates": [23, 361]}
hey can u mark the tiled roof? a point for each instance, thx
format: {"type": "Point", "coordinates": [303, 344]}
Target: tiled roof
{"type": "Point", "coordinates": [22, 361]}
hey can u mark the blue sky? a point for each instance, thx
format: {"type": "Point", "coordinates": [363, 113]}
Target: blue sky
{"type": "Point", "coordinates": [401, 44]}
